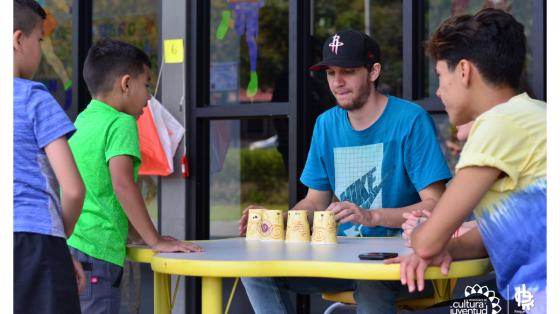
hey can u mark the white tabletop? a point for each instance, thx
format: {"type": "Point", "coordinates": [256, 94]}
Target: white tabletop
{"type": "Point", "coordinates": [239, 249]}
{"type": "Point", "coordinates": [238, 257]}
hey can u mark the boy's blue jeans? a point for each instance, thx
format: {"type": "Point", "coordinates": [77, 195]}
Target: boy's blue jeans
{"type": "Point", "coordinates": [271, 295]}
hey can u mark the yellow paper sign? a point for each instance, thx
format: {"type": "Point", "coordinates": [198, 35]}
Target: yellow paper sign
{"type": "Point", "coordinates": [173, 51]}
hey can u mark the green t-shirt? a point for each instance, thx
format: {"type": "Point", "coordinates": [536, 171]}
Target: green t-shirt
{"type": "Point", "coordinates": [102, 132]}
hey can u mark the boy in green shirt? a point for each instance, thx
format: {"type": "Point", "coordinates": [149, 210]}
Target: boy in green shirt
{"type": "Point", "coordinates": [107, 153]}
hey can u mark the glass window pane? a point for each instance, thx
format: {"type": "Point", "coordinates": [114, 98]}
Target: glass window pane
{"type": "Point", "coordinates": [380, 19]}
{"type": "Point", "coordinates": [134, 22]}
{"type": "Point", "coordinates": [248, 50]}
{"type": "Point", "coordinates": [248, 165]}
{"type": "Point", "coordinates": [55, 70]}
{"type": "Point", "coordinates": [447, 138]}
{"type": "Point", "coordinates": [437, 11]}
{"type": "Point", "coordinates": [149, 188]}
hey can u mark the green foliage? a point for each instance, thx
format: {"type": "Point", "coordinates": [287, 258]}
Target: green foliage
{"type": "Point", "coordinates": [251, 176]}
{"type": "Point", "coordinates": [385, 27]}
{"type": "Point", "coordinates": [262, 166]}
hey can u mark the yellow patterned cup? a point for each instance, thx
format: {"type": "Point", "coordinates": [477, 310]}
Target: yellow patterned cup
{"type": "Point", "coordinates": [297, 229]}
{"type": "Point", "coordinates": [254, 221]}
{"type": "Point", "coordinates": [324, 227]}
{"type": "Point", "coordinates": [272, 226]}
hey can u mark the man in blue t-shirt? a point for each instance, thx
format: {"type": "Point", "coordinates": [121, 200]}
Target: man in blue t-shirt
{"type": "Point", "coordinates": [377, 154]}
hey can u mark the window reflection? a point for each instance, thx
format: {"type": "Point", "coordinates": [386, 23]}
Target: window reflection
{"type": "Point", "coordinates": [447, 138]}
{"type": "Point", "coordinates": [437, 11]}
{"type": "Point", "coordinates": [380, 19]}
{"type": "Point", "coordinates": [248, 165]}
{"type": "Point", "coordinates": [55, 70]}
{"type": "Point", "coordinates": [135, 22]}
{"type": "Point", "coordinates": [248, 49]}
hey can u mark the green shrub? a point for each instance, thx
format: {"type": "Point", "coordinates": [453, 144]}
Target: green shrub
{"type": "Point", "coordinates": [262, 176]}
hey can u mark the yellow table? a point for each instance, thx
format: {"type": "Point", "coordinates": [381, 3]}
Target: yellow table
{"type": "Point", "coordinates": [143, 254]}
{"type": "Point", "coordinates": [237, 257]}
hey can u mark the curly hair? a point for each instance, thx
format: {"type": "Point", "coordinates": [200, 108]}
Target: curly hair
{"type": "Point", "coordinates": [491, 39]}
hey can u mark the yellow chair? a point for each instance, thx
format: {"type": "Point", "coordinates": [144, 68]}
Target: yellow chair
{"type": "Point", "coordinates": [345, 300]}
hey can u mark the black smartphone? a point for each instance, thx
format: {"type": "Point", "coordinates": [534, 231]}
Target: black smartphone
{"type": "Point", "coordinates": [377, 255]}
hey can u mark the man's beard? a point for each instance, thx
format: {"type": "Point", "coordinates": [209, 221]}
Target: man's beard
{"type": "Point", "coordinates": [358, 102]}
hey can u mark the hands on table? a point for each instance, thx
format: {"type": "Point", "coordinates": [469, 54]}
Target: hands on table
{"type": "Point", "coordinates": [344, 212]}
{"type": "Point", "coordinates": [350, 212]}
{"type": "Point", "coordinates": [413, 268]}
{"type": "Point", "coordinates": [413, 220]}
{"type": "Point", "coordinates": [170, 244]}
{"type": "Point", "coordinates": [244, 218]}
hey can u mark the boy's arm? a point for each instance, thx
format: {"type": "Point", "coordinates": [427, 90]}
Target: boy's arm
{"type": "Point", "coordinates": [468, 245]}
{"type": "Point", "coordinates": [133, 236]}
{"type": "Point", "coordinates": [71, 185]}
{"type": "Point", "coordinates": [463, 194]}
{"type": "Point", "coordinates": [122, 169]}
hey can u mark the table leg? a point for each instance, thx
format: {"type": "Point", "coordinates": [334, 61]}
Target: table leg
{"type": "Point", "coordinates": [443, 289]}
{"type": "Point", "coordinates": [162, 294]}
{"type": "Point", "coordinates": [212, 295]}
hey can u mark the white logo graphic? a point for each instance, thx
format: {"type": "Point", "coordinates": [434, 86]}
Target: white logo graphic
{"type": "Point", "coordinates": [489, 294]}
{"type": "Point", "coordinates": [524, 298]}
{"type": "Point", "coordinates": [335, 43]}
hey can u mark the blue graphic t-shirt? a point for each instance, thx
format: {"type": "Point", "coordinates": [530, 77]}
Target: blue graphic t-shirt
{"type": "Point", "coordinates": [38, 121]}
{"type": "Point", "coordinates": [383, 166]}
{"type": "Point", "coordinates": [511, 216]}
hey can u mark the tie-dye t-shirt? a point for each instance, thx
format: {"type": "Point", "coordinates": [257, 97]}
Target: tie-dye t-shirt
{"type": "Point", "coordinates": [383, 166]}
{"type": "Point", "coordinates": [512, 215]}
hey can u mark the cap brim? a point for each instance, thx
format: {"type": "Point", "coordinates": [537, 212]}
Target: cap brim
{"type": "Point", "coordinates": [339, 63]}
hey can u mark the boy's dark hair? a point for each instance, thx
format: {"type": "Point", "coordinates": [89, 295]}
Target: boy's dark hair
{"type": "Point", "coordinates": [27, 13]}
{"type": "Point", "coordinates": [492, 39]}
{"type": "Point", "coordinates": [109, 59]}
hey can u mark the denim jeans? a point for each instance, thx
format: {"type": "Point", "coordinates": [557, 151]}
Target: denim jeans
{"type": "Point", "coordinates": [271, 295]}
{"type": "Point", "coordinates": [102, 293]}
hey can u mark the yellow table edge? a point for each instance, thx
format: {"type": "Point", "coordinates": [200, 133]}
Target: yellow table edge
{"type": "Point", "coordinates": [343, 270]}
{"type": "Point", "coordinates": [139, 253]}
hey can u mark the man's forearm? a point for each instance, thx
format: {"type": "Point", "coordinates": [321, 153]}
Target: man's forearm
{"type": "Point", "coordinates": [459, 200]}
{"type": "Point", "coordinates": [310, 206]}
{"type": "Point", "coordinates": [393, 217]}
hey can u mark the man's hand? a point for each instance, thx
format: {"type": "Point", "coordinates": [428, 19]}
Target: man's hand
{"type": "Point", "coordinates": [350, 212]}
{"type": "Point", "coordinates": [80, 275]}
{"type": "Point", "coordinates": [413, 220]}
{"type": "Point", "coordinates": [414, 264]}
{"type": "Point", "coordinates": [170, 244]}
{"type": "Point", "coordinates": [244, 218]}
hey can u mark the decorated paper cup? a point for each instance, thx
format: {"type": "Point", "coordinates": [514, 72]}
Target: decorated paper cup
{"type": "Point", "coordinates": [297, 229]}
{"type": "Point", "coordinates": [254, 221]}
{"type": "Point", "coordinates": [272, 226]}
{"type": "Point", "coordinates": [324, 227]}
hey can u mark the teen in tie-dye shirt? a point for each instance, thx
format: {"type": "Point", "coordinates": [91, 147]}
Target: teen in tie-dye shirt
{"type": "Point", "coordinates": [501, 175]}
